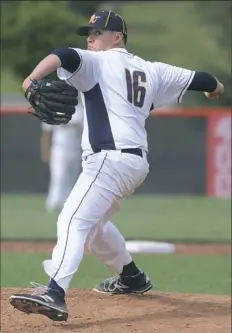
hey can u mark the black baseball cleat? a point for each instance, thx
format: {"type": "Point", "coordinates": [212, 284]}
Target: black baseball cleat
{"type": "Point", "coordinates": [119, 284]}
{"type": "Point", "coordinates": [50, 304]}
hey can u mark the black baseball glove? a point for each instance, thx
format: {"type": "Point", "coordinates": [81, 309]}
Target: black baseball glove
{"type": "Point", "coordinates": [53, 102]}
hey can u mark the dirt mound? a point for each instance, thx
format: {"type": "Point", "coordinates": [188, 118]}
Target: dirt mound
{"type": "Point", "coordinates": [150, 313]}
{"type": "Point", "coordinates": [182, 249]}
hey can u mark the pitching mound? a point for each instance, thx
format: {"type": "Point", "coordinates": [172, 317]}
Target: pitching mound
{"type": "Point", "coordinates": [151, 313]}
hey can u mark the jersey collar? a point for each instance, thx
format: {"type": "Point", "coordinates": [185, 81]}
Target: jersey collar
{"type": "Point", "coordinates": [119, 49]}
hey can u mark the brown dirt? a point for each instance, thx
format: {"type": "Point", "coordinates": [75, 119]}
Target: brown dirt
{"type": "Point", "coordinates": [183, 249]}
{"type": "Point", "coordinates": [151, 313]}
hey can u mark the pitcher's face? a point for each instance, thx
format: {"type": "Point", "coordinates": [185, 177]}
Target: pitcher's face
{"type": "Point", "coordinates": [102, 40]}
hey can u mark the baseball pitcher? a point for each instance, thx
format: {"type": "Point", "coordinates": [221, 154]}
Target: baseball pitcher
{"type": "Point", "coordinates": [118, 89]}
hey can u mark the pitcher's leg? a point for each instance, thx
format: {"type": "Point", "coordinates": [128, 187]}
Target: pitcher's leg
{"type": "Point", "coordinates": [86, 206]}
{"type": "Point", "coordinates": [73, 170]}
{"type": "Point", "coordinates": [108, 245]}
{"type": "Point", "coordinates": [97, 190]}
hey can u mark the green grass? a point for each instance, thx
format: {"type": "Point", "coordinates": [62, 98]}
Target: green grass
{"type": "Point", "coordinates": [10, 84]}
{"type": "Point", "coordinates": [188, 274]}
{"type": "Point", "coordinates": [141, 217]}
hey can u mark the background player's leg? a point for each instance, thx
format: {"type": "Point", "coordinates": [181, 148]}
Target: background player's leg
{"type": "Point", "coordinates": [55, 198]}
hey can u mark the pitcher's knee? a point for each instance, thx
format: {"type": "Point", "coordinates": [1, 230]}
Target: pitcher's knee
{"type": "Point", "coordinates": [79, 222]}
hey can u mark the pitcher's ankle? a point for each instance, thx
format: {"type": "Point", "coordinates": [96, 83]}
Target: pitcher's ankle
{"type": "Point", "coordinates": [54, 286]}
{"type": "Point", "coordinates": [130, 270]}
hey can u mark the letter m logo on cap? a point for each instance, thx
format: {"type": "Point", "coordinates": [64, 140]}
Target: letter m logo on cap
{"type": "Point", "coordinates": [93, 19]}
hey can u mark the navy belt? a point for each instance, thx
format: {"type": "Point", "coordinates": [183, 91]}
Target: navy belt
{"type": "Point", "coordinates": [133, 151]}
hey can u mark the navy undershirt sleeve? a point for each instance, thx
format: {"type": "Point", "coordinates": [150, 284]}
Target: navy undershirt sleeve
{"type": "Point", "coordinates": [70, 59]}
{"type": "Point", "coordinates": [203, 81]}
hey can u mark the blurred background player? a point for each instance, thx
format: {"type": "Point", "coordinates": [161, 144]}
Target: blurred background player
{"type": "Point", "coordinates": [61, 149]}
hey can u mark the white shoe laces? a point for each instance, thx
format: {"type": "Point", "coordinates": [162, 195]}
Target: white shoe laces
{"type": "Point", "coordinates": [39, 289]}
{"type": "Point", "coordinates": [115, 283]}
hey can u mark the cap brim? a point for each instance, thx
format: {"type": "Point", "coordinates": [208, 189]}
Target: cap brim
{"type": "Point", "coordinates": [83, 31]}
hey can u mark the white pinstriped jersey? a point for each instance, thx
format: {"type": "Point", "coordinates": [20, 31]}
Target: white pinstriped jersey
{"type": "Point", "coordinates": [119, 89]}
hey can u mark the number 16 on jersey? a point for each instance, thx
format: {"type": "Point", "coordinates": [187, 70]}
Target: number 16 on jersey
{"type": "Point", "coordinates": [136, 90]}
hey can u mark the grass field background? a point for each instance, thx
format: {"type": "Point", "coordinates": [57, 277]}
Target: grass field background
{"type": "Point", "coordinates": [178, 219]}
{"type": "Point", "coordinates": [10, 84]}
{"type": "Point", "coordinates": [184, 219]}
{"type": "Point", "coordinates": [189, 274]}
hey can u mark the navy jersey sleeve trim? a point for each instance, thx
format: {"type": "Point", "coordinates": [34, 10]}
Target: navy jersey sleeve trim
{"type": "Point", "coordinates": [185, 87]}
{"type": "Point", "coordinates": [203, 81]}
{"type": "Point", "coordinates": [70, 60]}
{"type": "Point", "coordinates": [78, 69]}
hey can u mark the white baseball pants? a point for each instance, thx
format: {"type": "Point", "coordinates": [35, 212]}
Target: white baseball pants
{"type": "Point", "coordinates": [107, 178]}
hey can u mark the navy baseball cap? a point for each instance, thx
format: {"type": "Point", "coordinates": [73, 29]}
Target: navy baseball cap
{"type": "Point", "coordinates": [104, 20]}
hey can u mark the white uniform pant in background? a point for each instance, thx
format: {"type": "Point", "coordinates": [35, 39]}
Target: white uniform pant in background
{"type": "Point", "coordinates": [107, 178]}
{"type": "Point", "coordinates": [65, 168]}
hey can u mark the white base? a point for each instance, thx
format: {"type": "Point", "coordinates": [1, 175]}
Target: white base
{"type": "Point", "coordinates": [149, 247]}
